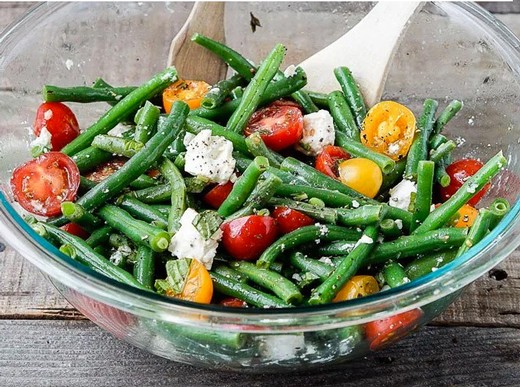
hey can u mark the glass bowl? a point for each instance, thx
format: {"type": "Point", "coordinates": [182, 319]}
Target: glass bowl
{"type": "Point", "coordinates": [451, 50]}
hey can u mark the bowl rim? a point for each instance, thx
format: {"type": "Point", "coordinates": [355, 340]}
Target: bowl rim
{"type": "Point", "coordinates": [431, 287]}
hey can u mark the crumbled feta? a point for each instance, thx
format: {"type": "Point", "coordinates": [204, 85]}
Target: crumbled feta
{"type": "Point", "coordinates": [399, 223]}
{"type": "Point", "coordinates": [43, 141]}
{"type": "Point", "coordinates": [366, 240]}
{"type": "Point", "coordinates": [400, 194]}
{"type": "Point", "coordinates": [282, 347]}
{"type": "Point", "coordinates": [189, 243]}
{"type": "Point", "coordinates": [394, 148]}
{"type": "Point", "coordinates": [297, 277]}
{"type": "Point", "coordinates": [318, 132]}
{"type": "Point", "coordinates": [47, 115]}
{"type": "Point", "coordinates": [210, 157]}
{"type": "Point", "coordinates": [290, 71]}
{"type": "Point", "coordinates": [326, 260]}
{"type": "Point", "coordinates": [187, 138]}
{"type": "Point", "coordinates": [355, 203]}
{"type": "Point", "coordinates": [472, 188]}
{"type": "Point", "coordinates": [118, 130]}
{"type": "Point", "coordinates": [68, 64]}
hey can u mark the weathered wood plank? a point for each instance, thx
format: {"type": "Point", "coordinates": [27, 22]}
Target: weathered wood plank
{"type": "Point", "coordinates": [77, 354]}
{"type": "Point", "coordinates": [501, 7]}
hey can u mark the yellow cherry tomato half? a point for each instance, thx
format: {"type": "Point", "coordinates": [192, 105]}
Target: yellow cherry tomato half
{"type": "Point", "coordinates": [357, 286]}
{"type": "Point", "coordinates": [389, 128]}
{"type": "Point", "coordinates": [198, 286]}
{"type": "Point", "coordinates": [362, 175]}
{"type": "Point", "coordinates": [466, 216]}
{"type": "Point", "coordinates": [184, 90]}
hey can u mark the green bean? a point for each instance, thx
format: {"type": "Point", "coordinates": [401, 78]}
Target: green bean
{"type": "Point", "coordinates": [144, 268]}
{"type": "Point", "coordinates": [250, 295]}
{"type": "Point", "coordinates": [90, 158]}
{"type": "Point", "coordinates": [329, 197]}
{"type": "Point", "coordinates": [257, 147]}
{"type": "Point", "coordinates": [143, 211]}
{"type": "Point", "coordinates": [477, 231]}
{"type": "Point", "coordinates": [419, 149]}
{"type": "Point", "coordinates": [117, 145]}
{"type": "Point", "coordinates": [276, 283]}
{"type": "Point", "coordinates": [437, 140]}
{"type": "Point", "coordinates": [431, 262]}
{"type": "Point", "coordinates": [499, 208]}
{"type": "Point", "coordinates": [423, 197]}
{"type": "Point", "coordinates": [236, 61]}
{"type": "Point", "coordinates": [242, 162]}
{"type": "Point", "coordinates": [441, 215]}
{"type": "Point", "coordinates": [218, 93]}
{"type": "Point", "coordinates": [342, 116]}
{"type": "Point", "coordinates": [340, 247]}
{"type": "Point", "coordinates": [146, 122]}
{"type": "Point", "coordinates": [323, 214]}
{"type": "Point", "coordinates": [321, 100]}
{"type": "Point", "coordinates": [305, 101]}
{"type": "Point", "coordinates": [162, 208]}
{"type": "Point", "coordinates": [86, 255]}
{"type": "Point", "coordinates": [300, 236]}
{"type": "Point", "coordinates": [408, 246]}
{"type": "Point", "coordinates": [352, 94]}
{"type": "Point", "coordinates": [243, 187]}
{"type": "Point", "coordinates": [86, 184]}
{"type": "Point", "coordinates": [228, 272]}
{"type": "Point", "coordinates": [274, 91]}
{"type": "Point", "coordinates": [261, 194]}
{"type": "Point", "coordinates": [77, 214]}
{"type": "Point", "coordinates": [119, 111]}
{"type": "Point", "coordinates": [392, 178]}
{"type": "Point", "coordinates": [442, 150]}
{"type": "Point", "coordinates": [441, 176]}
{"type": "Point", "coordinates": [144, 181]}
{"type": "Point", "coordinates": [138, 164]}
{"type": "Point", "coordinates": [237, 92]}
{"type": "Point", "coordinates": [84, 94]}
{"type": "Point", "coordinates": [362, 216]}
{"type": "Point", "coordinates": [286, 177]}
{"type": "Point", "coordinates": [347, 267]}
{"type": "Point", "coordinates": [390, 229]}
{"type": "Point", "coordinates": [447, 114]}
{"type": "Point", "coordinates": [394, 275]}
{"type": "Point", "coordinates": [357, 149]}
{"type": "Point", "coordinates": [177, 194]}
{"type": "Point", "coordinates": [306, 264]}
{"type": "Point", "coordinates": [316, 178]}
{"type": "Point", "coordinates": [138, 231]}
{"type": "Point", "coordinates": [254, 90]}
{"type": "Point", "coordinates": [196, 124]}
{"type": "Point", "coordinates": [99, 236]}
{"type": "Point", "coordinates": [117, 240]}
{"type": "Point", "coordinates": [158, 194]}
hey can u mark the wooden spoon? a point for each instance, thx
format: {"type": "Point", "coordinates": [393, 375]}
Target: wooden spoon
{"type": "Point", "coordinates": [367, 50]}
{"type": "Point", "coordinates": [191, 60]}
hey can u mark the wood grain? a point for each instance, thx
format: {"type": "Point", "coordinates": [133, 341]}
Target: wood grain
{"type": "Point", "coordinates": [59, 353]}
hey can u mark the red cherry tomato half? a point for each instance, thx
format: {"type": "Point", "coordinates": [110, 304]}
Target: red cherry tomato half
{"type": "Point", "coordinates": [290, 220]}
{"type": "Point", "coordinates": [104, 170]}
{"type": "Point", "coordinates": [74, 229]}
{"type": "Point", "coordinates": [459, 172]}
{"type": "Point", "coordinates": [42, 184]}
{"type": "Point", "coordinates": [280, 126]}
{"type": "Point", "coordinates": [233, 302]}
{"type": "Point", "coordinates": [59, 120]}
{"type": "Point", "coordinates": [247, 237]}
{"type": "Point", "coordinates": [328, 160]}
{"type": "Point", "coordinates": [380, 333]}
{"type": "Point", "coordinates": [216, 196]}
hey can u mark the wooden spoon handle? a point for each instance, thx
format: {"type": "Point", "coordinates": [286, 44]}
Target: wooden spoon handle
{"type": "Point", "coordinates": [191, 60]}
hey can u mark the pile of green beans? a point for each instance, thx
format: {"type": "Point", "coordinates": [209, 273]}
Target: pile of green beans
{"type": "Point", "coordinates": [139, 209]}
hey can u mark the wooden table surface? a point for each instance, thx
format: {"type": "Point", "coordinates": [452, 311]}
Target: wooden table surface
{"type": "Point", "coordinates": [46, 342]}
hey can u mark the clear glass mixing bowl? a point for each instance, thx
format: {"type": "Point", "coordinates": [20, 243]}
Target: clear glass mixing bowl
{"type": "Point", "coordinates": [451, 50]}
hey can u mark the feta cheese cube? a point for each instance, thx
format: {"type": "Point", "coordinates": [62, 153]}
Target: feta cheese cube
{"type": "Point", "coordinates": [400, 194]}
{"type": "Point", "coordinates": [189, 243]}
{"type": "Point", "coordinates": [43, 141]}
{"type": "Point", "coordinates": [210, 157]}
{"type": "Point", "coordinates": [318, 132]}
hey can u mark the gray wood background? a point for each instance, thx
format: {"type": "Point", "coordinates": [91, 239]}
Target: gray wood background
{"type": "Point", "coordinates": [46, 342]}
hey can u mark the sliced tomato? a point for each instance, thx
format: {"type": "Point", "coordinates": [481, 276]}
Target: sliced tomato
{"type": "Point", "coordinates": [192, 278]}
{"type": "Point", "coordinates": [74, 229]}
{"type": "Point", "coordinates": [290, 220]}
{"type": "Point", "coordinates": [328, 160]}
{"type": "Point", "coordinates": [233, 302]}
{"type": "Point", "coordinates": [185, 90]}
{"type": "Point", "coordinates": [104, 170]}
{"type": "Point", "coordinates": [380, 333]}
{"type": "Point", "coordinates": [280, 126]}
{"type": "Point", "coordinates": [216, 196]}
{"type": "Point", "coordinates": [59, 120]}
{"type": "Point", "coordinates": [459, 172]}
{"type": "Point", "coordinates": [357, 286]}
{"type": "Point", "coordinates": [466, 216]}
{"type": "Point", "coordinates": [42, 184]}
{"type": "Point", "coordinates": [247, 237]}
{"type": "Point", "coordinates": [362, 175]}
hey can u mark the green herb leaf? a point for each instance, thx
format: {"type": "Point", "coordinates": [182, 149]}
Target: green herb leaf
{"type": "Point", "coordinates": [207, 223]}
{"type": "Point", "coordinates": [176, 273]}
